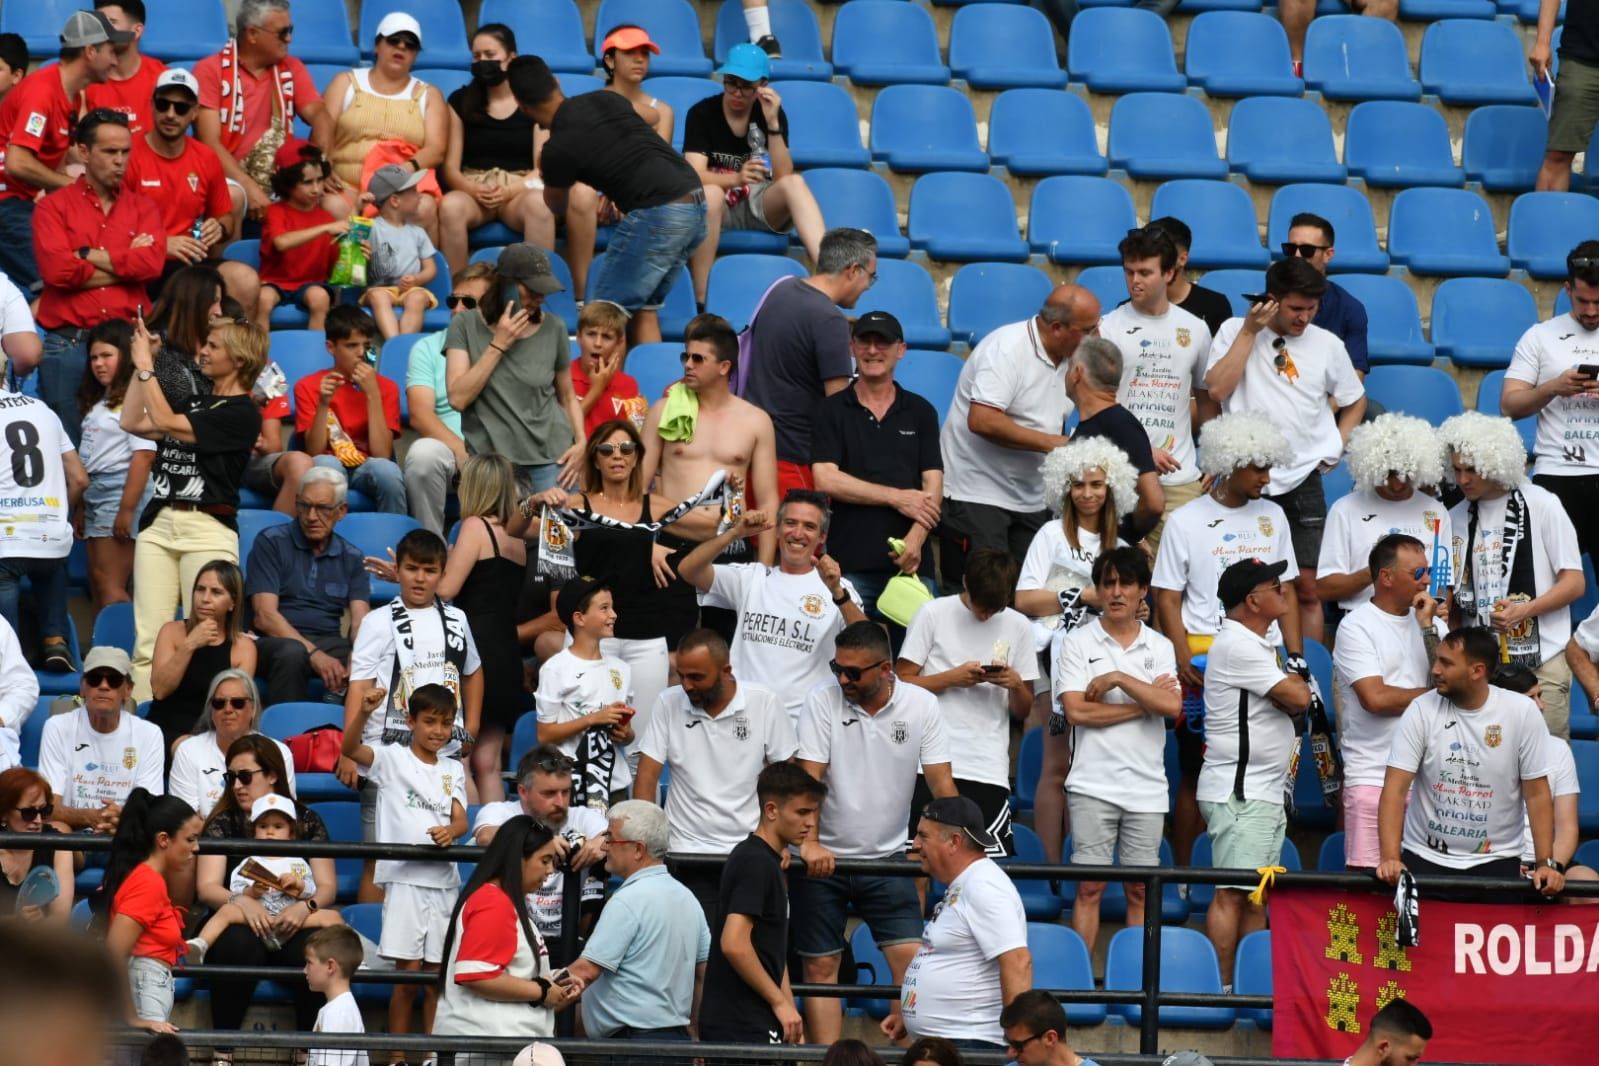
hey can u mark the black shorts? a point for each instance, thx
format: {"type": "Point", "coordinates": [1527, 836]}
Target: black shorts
{"type": "Point", "coordinates": [992, 800]}
{"type": "Point", "coordinates": [297, 296]}
{"type": "Point", "coordinates": [1306, 508]}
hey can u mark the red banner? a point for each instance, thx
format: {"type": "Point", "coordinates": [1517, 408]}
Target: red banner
{"type": "Point", "coordinates": [1501, 983]}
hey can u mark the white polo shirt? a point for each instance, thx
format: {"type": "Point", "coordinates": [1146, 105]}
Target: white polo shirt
{"type": "Point", "coordinates": [1568, 426]}
{"type": "Point", "coordinates": [1239, 718]}
{"type": "Point", "coordinates": [1203, 538]}
{"type": "Point", "coordinates": [1358, 521]}
{"type": "Point", "coordinates": [1373, 643]}
{"type": "Point", "coordinates": [711, 806]}
{"type": "Point", "coordinates": [1163, 364]}
{"type": "Point", "coordinates": [1125, 763]}
{"type": "Point", "coordinates": [1008, 370]}
{"type": "Point", "coordinates": [872, 761]}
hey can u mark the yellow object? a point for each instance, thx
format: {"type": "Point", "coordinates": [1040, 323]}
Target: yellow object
{"type": "Point", "coordinates": [902, 597]}
{"type": "Point", "coordinates": [896, 545]}
{"type": "Point", "coordinates": [681, 411]}
{"type": "Point", "coordinates": [1268, 877]}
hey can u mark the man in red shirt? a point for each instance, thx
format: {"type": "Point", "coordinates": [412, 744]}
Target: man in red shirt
{"type": "Point", "coordinates": [98, 245]}
{"type": "Point", "coordinates": [349, 414]}
{"type": "Point", "coordinates": [132, 80]}
{"type": "Point", "coordinates": [36, 124]}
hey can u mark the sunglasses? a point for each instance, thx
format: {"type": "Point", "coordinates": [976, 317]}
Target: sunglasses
{"type": "Point", "coordinates": [740, 85]}
{"type": "Point", "coordinates": [553, 764]}
{"type": "Point", "coordinates": [283, 35]}
{"type": "Point", "coordinates": [1280, 346]}
{"type": "Point", "coordinates": [453, 301]}
{"type": "Point", "coordinates": [240, 777]}
{"type": "Point", "coordinates": [403, 40]}
{"type": "Point", "coordinates": [43, 813]}
{"type": "Point", "coordinates": [625, 447]}
{"type": "Point", "coordinates": [1420, 572]}
{"type": "Point", "coordinates": [177, 107]}
{"type": "Point", "coordinates": [1581, 262]}
{"type": "Point", "coordinates": [106, 678]}
{"type": "Point", "coordinates": [852, 674]}
{"type": "Point", "coordinates": [237, 703]}
{"type": "Point", "coordinates": [1019, 1046]}
{"type": "Point", "coordinates": [1303, 251]}
{"type": "Point", "coordinates": [693, 358]}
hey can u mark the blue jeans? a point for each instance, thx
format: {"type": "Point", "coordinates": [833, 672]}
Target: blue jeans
{"type": "Point", "coordinates": [66, 355]}
{"type": "Point", "coordinates": [49, 580]}
{"type": "Point", "coordinates": [541, 477]}
{"type": "Point", "coordinates": [378, 478]}
{"type": "Point", "coordinates": [647, 250]}
{"type": "Point", "coordinates": [821, 906]}
{"type": "Point", "coordinates": [16, 243]}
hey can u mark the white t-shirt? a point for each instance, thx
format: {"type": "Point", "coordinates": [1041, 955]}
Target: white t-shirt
{"type": "Point", "coordinates": [85, 768]}
{"type": "Point", "coordinates": [872, 761]}
{"type": "Point", "coordinates": [1242, 668]}
{"type": "Point", "coordinates": [544, 902]}
{"type": "Point", "coordinates": [1008, 370]}
{"type": "Point", "coordinates": [414, 796]}
{"type": "Point", "coordinates": [341, 1014]}
{"type": "Point", "coordinates": [34, 523]}
{"type": "Point", "coordinates": [106, 447]}
{"type": "Point", "coordinates": [1203, 538]}
{"type": "Point", "coordinates": [1562, 782]}
{"type": "Point", "coordinates": [1466, 805]}
{"type": "Point", "coordinates": [16, 316]}
{"type": "Point", "coordinates": [372, 659]}
{"type": "Point", "coordinates": [711, 806]}
{"type": "Point", "coordinates": [1373, 643]}
{"type": "Point", "coordinates": [945, 634]}
{"type": "Point", "coordinates": [1587, 634]}
{"type": "Point", "coordinates": [569, 688]}
{"type": "Point", "coordinates": [1568, 426]}
{"type": "Point", "coordinates": [1358, 521]}
{"type": "Point", "coordinates": [197, 769]}
{"type": "Point", "coordinates": [1554, 548]}
{"type": "Point", "coordinates": [1125, 763]}
{"type": "Point", "coordinates": [1052, 563]}
{"type": "Point", "coordinates": [951, 988]}
{"type": "Point", "coordinates": [1316, 366]}
{"type": "Point", "coordinates": [274, 901]}
{"type": "Point", "coordinates": [19, 693]}
{"type": "Point", "coordinates": [1163, 364]}
{"type": "Point", "coordinates": [786, 626]}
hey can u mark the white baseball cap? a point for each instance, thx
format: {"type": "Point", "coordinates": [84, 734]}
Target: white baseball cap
{"type": "Point", "coordinates": [180, 78]}
{"type": "Point", "coordinates": [539, 1054]}
{"type": "Point", "coordinates": [399, 22]}
{"type": "Point", "coordinates": [272, 802]}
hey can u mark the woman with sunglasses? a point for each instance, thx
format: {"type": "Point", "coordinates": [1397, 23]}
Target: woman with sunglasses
{"type": "Point", "coordinates": [26, 807]}
{"type": "Point", "coordinates": [191, 651]}
{"type": "Point", "coordinates": [232, 709]}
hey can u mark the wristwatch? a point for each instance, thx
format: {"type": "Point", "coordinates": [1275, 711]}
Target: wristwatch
{"type": "Point", "coordinates": [841, 600]}
{"type": "Point", "coordinates": [310, 904]}
{"type": "Point", "coordinates": [83, 252]}
{"type": "Point", "coordinates": [1554, 864]}
{"type": "Point", "coordinates": [146, 375]}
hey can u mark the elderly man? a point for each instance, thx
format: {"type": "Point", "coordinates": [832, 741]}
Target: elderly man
{"type": "Point", "coordinates": [19, 694]}
{"type": "Point", "coordinates": [1093, 377]}
{"type": "Point", "coordinates": [94, 756]}
{"type": "Point", "coordinates": [302, 578]}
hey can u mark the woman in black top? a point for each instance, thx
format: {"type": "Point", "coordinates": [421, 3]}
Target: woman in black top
{"type": "Point", "coordinates": [190, 651]}
{"type": "Point", "coordinates": [25, 807]}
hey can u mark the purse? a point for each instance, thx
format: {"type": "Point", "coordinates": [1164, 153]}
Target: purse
{"type": "Point", "coordinates": [316, 751]}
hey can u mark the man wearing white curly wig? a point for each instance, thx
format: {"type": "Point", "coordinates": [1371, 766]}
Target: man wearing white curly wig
{"type": "Point", "coordinates": [1516, 561]}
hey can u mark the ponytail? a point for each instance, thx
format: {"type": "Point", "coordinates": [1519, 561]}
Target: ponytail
{"type": "Point", "coordinates": [144, 817]}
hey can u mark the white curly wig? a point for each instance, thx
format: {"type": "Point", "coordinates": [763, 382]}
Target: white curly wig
{"type": "Point", "coordinates": [1068, 463]}
{"type": "Point", "coordinates": [1491, 446]}
{"type": "Point", "coordinates": [1395, 443]}
{"type": "Point", "coordinates": [1246, 438]}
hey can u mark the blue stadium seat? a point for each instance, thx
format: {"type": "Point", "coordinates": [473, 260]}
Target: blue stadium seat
{"type": "Point", "coordinates": [1122, 50]}
{"type": "Point", "coordinates": [1252, 974]}
{"type": "Point", "coordinates": [344, 824]}
{"type": "Point", "coordinates": [1448, 232]}
{"type": "Point", "coordinates": [1488, 392]}
{"type": "Point", "coordinates": [1038, 898]}
{"type": "Point", "coordinates": [884, 42]}
{"type": "Point", "coordinates": [863, 200]}
{"type": "Point", "coordinates": [552, 29]}
{"type": "Point", "coordinates": [655, 367]}
{"type": "Point", "coordinates": [905, 290]}
{"type": "Point", "coordinates": [251, 523]}
{"type": "Point", "coordinates": [673, 315]}
{"type": "Point", "coordinates": [1504, 146]}
{"type": "Point", "coordinates": [871, 968]}
{"type": "Point", "coordinates": [1035, 132]}
{"type": "Point", "coordinates": [1429, 10]}
{"type": "Point", "coordinates": [577, 85]}
{"type": "Point", "coordinates": [793, 23]}
{"type": "Point", "coordinates": [1240, 54]}
{"type": "Point", "coordinates": [673, 25]}
{"type": "Point", "coordinates": [1079, 219]}
{"type": "Point", "coordinates": [322, 35]}
{"type": "Point", "coordinates": [1187, 964]}
{"type": "Point", "coordinates": [38, 23]}
{"type": "Point", "coordinates": [1107, 283]}
{"type": "Point", "coordinates": [1541, 228]}
{"type": "Point", "coordinates": [983, 296]}
{"type": "Point", "coordinates": [1586, 755]}
{"type": "Point", "coordinates": [999, 46]}
{"type": "Point", "coordinates": [1337, 483]}
{"type": "Point", "coordinates": [299, 352]}
{"type": "Point", "coordinates": [1393, 321]}
{"type": "Point", "coordinates": [373, 533]}
{"type": "Point", "coordinates": [1156, 136]}
{"type": "Point", "coordinates": [182, 31]}
{"type": "Point", "coordinates": [113, 627]}
{"type": "Point", "coordinates": [1061, 960]}
{"type": "Point", "coordinates": [1347, 209]}
{"type": "Point", "coordinates": [964, 217]}
{"type": "Point", "coordinates": [1029, 768]}
{"type": "Point", "coordinates": [931, 375]}
{"type": "Point", "coordinates": [321, 74]}
{"type": "Point", "coordinates": [737, 282]}
{"type": "Point", "coordinates": [1393, 144]}
{"type": "Point", "coordinates": [1222, 218]}
{"type": "Point", "coordinates": [682, 91]}
{"type": "Point", "coordinates": [284, 720]}
{"type": "Point", "coordinates": [919, 128]}
{"type": "Point", "coordinates": [524, 736]}
{"type": "Point", "coordinates": [1467, 62]}
{"type": "Point", "coordinates": [1277, 140]}
{"type": "Point", "coordinates": [1476, 322]}
{"type": "Point", "coordinates": [445, 80]}
{"type": "Point", "coordinates": [824, 127]}
{"type": "Point", "coordinates": [1423, 391]}
{"type": "Point", "coordinates": [1352, 57]}
{"type": "Point", "coordinates": [444, 42]}
{"type": "Point", "coordinates": [1233, 284]}
{"type": "Point", "coordinates": [1331, 857]}
{"type": "Point", "coordinates": [33, 731]}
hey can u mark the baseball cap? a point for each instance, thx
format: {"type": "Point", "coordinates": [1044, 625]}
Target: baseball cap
{"type": "Point", "coordinates": [528, 264]}
{"type": "Point", "coordinates": [747, 61]}
{"type": "Point", "coordinates": [84, 28]}
{"type": "Point", "coordinates": [178, 78]}
{"type": "Point", "coordinates": [964, 814]}
{"type": "Point", "coordinates": [572, 593]}
{"type": "Point", "coordinates": [272, 802]}
{"type": "Point", "coordinates": [292, 153]}
{"type": "Point", "coordinates": [14, 51]}
{"type": "Point", "coordinates": [108, 657]}
{"type": "Point", "coordinates": [878, 323]}
{"type": "Point", "coordinates": [399, 22]}
{"type": "Point", "coordinates": [628, 38]}
{"type": "Point", "coordinates": [1244, 577]}
{"type": "Point", "coordinates": [1187, 1058]}
{"type": "Point", "coordinates": [392, 178]}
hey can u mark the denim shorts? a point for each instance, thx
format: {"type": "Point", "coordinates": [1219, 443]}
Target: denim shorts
{"type": "Point", "coordinates": [821, 905]}
{"type": "Point", "coordinates": [647, 250]}
{"type": "Point", "coordinates": [101, 500]}
{"type": "Point", "coordinates": [151, 983]}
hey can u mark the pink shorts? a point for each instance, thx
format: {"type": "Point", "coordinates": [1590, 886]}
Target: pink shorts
{"type": "Point", "coordinates": [1361, 849]}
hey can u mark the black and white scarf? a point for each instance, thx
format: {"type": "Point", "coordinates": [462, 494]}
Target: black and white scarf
{"type": "Point", "coordinates": [401, 679]}
{"type": "Point", "coordinates": [1485, 580]}
{"type": "Point", "coordinates": [559, 525]}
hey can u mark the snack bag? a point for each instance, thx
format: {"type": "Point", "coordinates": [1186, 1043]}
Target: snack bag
{"type": "Point", "coordinates": [349, 270]}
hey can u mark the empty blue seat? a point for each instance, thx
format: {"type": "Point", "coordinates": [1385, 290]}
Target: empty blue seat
{"type": "Point", "coordinates": [1468, 62]}
{"type": "Point", "coordinates": [673, 25]}
{"type": "Point", "coordinates": [1347, 209]}
{"type": "Point", "coordinates": [793, 23]}
{"type": "Point", "coordinates": [737, 282]}
{"type": "Point", "coordinates": [1542, 225]}
{"type": "Point", "coordinates": [1155, 136]}
{"type": "Point", "coordinates": [1423, 391]}
{"type": "Point", "coordinates": [1395, 144]}
{"type": "Point", "coordinates": [1034, 132]}
{"type": "Point", "coordinates": [1353, 57]}
{"type": "Point", "coordinates": [1447, 232]}
{"type": "Point", "coordinates": [182, 31]}
{"type": "Point", "coordinates": [1107, 283]}
{"type": "Point", "coordinates": [1277, 140]}
{"type": "Point", "coordinates": [1000, 46]}
{"type": "Point", "coordinates": [1585, 753]}
{"type": "Point", "coordinates": [1331, 857]}
{"type": "Point", "coordinates": [444, 42]}
{"type": "Point", "coordinates": [984, 296]}
{"type": "Point", "coordinates": [1029, 768]}
{"type": "Point", "coordinates": [322, 35]}
{"type": "Point", "coordinates": [1080, 220]}
{"type": "Point", "coordinates": [1233, 284]}
{"type": "Point", "coordinates": [1476, 322]}
{"type": "Point", "coordinates": [885, 42]}
{"type": "Point", "coordinates": [551, 29]}
{"type": "Point", "coordinates": [251, 523]}
{"type": "Point", "coordinates": [932, 376]}
{"type": "Point", "coordinates": [1222, 218]}
{"type": "Point", "coordinates": [1061, 960]}
{"type": "Point", "coordinates": [1393, 321]}
{"type": "Point", "coordinates": [682, 92]}
{"type": "Point", "coordinates": [577, 85]}
{"type": "Point", "coordinates": [1038, 898]}
{"type": "Point", "coordinates": [964, 217]}
{"type": "Point", "coordinates": [113, 627]}
{"type": "Point", "coordinates": [823, 126]}
{"type": "Point", "coordinates": [1488, 393]}
{"type": "Point", "coordinates": [918, 128]}
{"type": "Point", "coordinates": [373, 533]}
{"type": "Point", "coordinates": [905, 290]}
{"type": "Point", "coordinates": [1428, 10]}
{"type": "Point", "coordinates": [1187, 964]}
{"type": "Point", "coordinates": [1252, 974]}
{"type": "Point", "coordinates": [1122, 50]}
{"type": "Point", "coordinates": [1504, 146]}
{"type": "Point", "coordinates": [862, 200]}
{"type": "Point", "coordinates": [343, 821]}
{"type": "Point", "coordinates": [38, 23]}
{"type": "Point", "coordinates": [655, 367]}
{"type": "Point", "coordinates": [1240, 54]}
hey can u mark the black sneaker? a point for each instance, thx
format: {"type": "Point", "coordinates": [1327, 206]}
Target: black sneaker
{"type": "Point", "coordinates": [58, 657]}
{"type": "Point", "coordinates": [769, 45]}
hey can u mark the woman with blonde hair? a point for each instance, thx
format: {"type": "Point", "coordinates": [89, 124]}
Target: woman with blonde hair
{"type": "Point", "coordinates": [191, 651]}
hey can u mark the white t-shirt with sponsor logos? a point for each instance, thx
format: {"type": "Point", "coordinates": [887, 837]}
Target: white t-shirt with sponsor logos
{"type": "Point", "coordinates": [1203, 538]}
{"type": "Point", "coordinates": [1242, 669]}
{"type": "Point", "coordinates": [86, 768]}
{"type": "Point", "coordinates": [1358, 521]}
{"type": "Point", "coordinates": [198, 766]}
{"type": "Point", "coordinates": [1562, 782]}
{"type": "Point", "coordinates": [1568, 426]}
{"type": "Point", "coordinates": [544, 902]}
{"type": "Point", "coordinates": [414, 796]}
{"type": "Point", "coordinates": [1163, 363]}
{"type": "Point", "coordinates": [107, 448]}
{"type": "Point", "coordinates": [1373, 643]}
{"type": "Point", "coordinates": [34, 523]}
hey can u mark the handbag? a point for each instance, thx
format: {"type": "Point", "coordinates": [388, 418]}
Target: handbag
{"type": "Point", "coordinates": [316, 751]}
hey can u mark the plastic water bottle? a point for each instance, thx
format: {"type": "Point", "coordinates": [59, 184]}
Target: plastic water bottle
{"type": "Point", "coordinates": [756, 138]}
{"type": "Point", "coordinates": [198, 228]}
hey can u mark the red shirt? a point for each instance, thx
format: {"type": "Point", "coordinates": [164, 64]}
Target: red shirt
{"type": "Point", "coordinates": [143, 897]}
{"type": "Point", "coordinates": [620, 400]}
{"type": "Point", "coordinates": [297, 267]}
{"type": "Point", "coordinates": [348, 405]}
{"type": "Point", "coordinates": [131, 96]}
{"type": "Point", "coordinates": [186, 188]}
{"type": "Point", "coordinates": [38, 116]}
{"type": "Point", "coordinates": [69, 219]}
{"type": "Point", "coordinates": [260, 98]}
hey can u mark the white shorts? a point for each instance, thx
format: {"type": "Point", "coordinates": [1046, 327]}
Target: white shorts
{"type": "Point", "coordinates": [415, 921]}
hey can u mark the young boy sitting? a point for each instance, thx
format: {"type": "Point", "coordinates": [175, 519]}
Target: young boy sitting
{"type": "Point", "coordinates": [349, 414]}
{"type": "Point", "coordinates": [419, 801]}
{"type": "Point", "coordinates": [401, 262]}
{"type": "Point", "coordinates": [331, 956]}
{"type": "Point", "coordinates": [604, 390]}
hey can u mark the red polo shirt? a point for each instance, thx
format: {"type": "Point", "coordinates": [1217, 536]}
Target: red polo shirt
{"type": "Point", "coordinates": [38, 116]}
{"type": "Point", "coordinates": [69, 219]}
{"type": "Point", "coordinates": [131, 96]}
{"type": "Point", "coordinates": [186, 188]}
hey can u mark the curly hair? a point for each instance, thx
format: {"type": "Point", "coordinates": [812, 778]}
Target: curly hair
{"type": "Point", "coordinates": [1395, 444]}
{"type": "Point", "coordinates": [1069, 462]}
{"type": "Point", "coordinates": [1238, 440]}
{"type": "Point", "coordinates": [1490, 446]}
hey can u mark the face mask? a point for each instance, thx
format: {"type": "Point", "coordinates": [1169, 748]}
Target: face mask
{"type": "Point", "coordinates": [488, 71]}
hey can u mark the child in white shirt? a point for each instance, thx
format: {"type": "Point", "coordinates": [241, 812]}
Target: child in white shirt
{"type": "Point", "coordinates": [331, 956]}
{"type": "Point", "coordinates": [583, 697]}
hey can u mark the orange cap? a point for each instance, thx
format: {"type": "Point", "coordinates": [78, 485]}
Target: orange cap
{"type": "Point", "coordinates": [628, 38]}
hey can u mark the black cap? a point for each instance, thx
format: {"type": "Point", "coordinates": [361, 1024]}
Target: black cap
{"type": "Point", "coordinates": [1244, 577]}
{"type": "Point", "coordinates": [573, 593]}
{"type": "Point", "coordinates": [880, 323]}
{"type": "Point", "coordinates": [964, 814]}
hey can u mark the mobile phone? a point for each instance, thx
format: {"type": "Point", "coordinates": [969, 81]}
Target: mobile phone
{"type": "Point", "coordinates": [992, 668]}
{"type": "Point", "coordinates": [1257, 297]}
{"type": "Point", "coordinates": [1588, 370]}
{"type": "Point", "coordinates": [561, 977]}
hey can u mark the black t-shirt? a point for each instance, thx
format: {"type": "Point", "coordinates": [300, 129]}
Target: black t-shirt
{"type": "Point", "coordinates": [1209, 306]}
{"type": "Point", "coordinates": [1579, 39]}
{"type": "Point", "coordinates": [1121, 427]}
{"type": "Point", "coordinates": [44, 855]}
{"type": "Point", "coordinates": [753, 883]}
{"type": "Point", "coordinates": [488, 142]}
{"type": "Point", "coordinates": [209, 471]}
{"type": "Point", "coordinates": [705, 130]}
{"type": "Point", "coordinates": [598, 139]}
{"type": "Point", "coordinates": [894, 452]}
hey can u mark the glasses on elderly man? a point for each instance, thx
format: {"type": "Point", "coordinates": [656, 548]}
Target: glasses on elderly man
{"type": "Point", "coordinates": [108, 678]}
{"type": "Point", "coordinates": [326, 510]}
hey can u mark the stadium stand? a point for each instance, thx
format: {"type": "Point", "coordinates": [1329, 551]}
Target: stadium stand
{"type": "Point", "coordinates": [1038, 132]}
{"type": "Point", "coordinates": [1476, 322]}
{"type": "Point", "coordinates": [1448, 232]}
{"type": "Point", "coordinates": [921, 128]}
{"type": "Point", "coordinates": [1394, 144]}
{"type": "Point", "coordinates": [996, 46]}
{"type": "Point", "coordinates": [964, 218]}
{"type": "Point", "coordinates": [1280, 140]}
{"type": "Point", "coordinates": [1159, 136]}
{"type": "Point", "coordinates": [1222, 218]}
{"type": "Point", "coordinates": [1502, 147]}
{"type": "Point", "coordinates": [793, 23]}
{"type": "Point", "coordinates": [1349, 57]}
{"type": "Point", "coordinates": [1122, 50]}
{"type": "Point", "coordinates": [1079, 219]}
{"type": "Point", "coordinates": [1240, 54]}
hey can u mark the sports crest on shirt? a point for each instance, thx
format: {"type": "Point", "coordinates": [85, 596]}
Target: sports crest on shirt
{"type": "Point", "coordinates": [1265, 525]}
{"type": "Point", "coordinates": [194, 182]}
{"type": "Point", "coordinates": [130, 758]}
{"type": "Point", "coordinates": [1184, 337]}
{"type": "Point", "coordinates": [1493, 736]}
{"type": "Point", "coordinates": [899, 734]}
{"type": "Point", "coordinates": [812, 605]}
{"type": "Point", "coordinates": [741, 727]}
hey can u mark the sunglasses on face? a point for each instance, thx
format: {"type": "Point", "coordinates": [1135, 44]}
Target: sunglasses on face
{"type": "Point", "coordinates": [1303, 251]}
{"type": "Point", "coordinates": [453, 301]}
{"type": "Point", "coordinates": [625, 447]}
{"type": "Point", "coordinates": [240, 777]}
{"type": "Point", "coordinates": [404, 41]}
{"type": "Point", "coordinates": [283, 35]}
{"type": "Point", "coordinates": [852, 674]}
{"type": "Point", "coordinates": [29, 814]}
{"type": "Point", "coordinates": [106, 678]}
{"type": "Point", "coordinates": [693, 358]}
{"type": "Point", "coordinates": [1019, 1046]}
{"type": "Point", "coordinates": [237, 703]}
{"type": "Point", "coordinates": [177, 107]}
{"type": "Point", "coordinates": [1420, 572]}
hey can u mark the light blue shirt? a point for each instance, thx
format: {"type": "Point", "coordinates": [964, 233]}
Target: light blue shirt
{"type": "Point", "coordinates": [649, 938]}
{"type": "Point", "coordinates": [426, 368]}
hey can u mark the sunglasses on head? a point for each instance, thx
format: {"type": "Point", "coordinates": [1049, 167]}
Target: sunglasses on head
{"type": "Point", "coordinates": [41, 813]}
{"type": "Point", "coordinates": [240, 777]}
{"type": "Point", "coordinates": [453, 301]}
{"type": "Point", "coordinates": [852, 674]}
{"type": "Point", "coordinates": [237, 703]}
{"type": "Point", "coordinates": [177, 107]}
{"type": "Point", "coordinates": [108, 678]}
{"type": "Point", "coordinates": [553, 764]}
{"type": "Point", "coordinates": [625, 447]}
{"type": "Point", "coordinates": [1303, 251]}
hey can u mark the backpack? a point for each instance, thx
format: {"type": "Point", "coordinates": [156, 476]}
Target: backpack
{"type": "Point", "coordinates": [738, 381]}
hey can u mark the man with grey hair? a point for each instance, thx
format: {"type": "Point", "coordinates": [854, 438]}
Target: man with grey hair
{"type": "Point", "coordinates": [1092, 378]}
{"type": "Point", "coordinates": [302, 576]}
{"type": "Point", "coordinates": [644, 965]}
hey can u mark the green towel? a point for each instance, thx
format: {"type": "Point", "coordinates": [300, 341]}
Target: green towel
{"type": "Point", "coordinates": [682, 410]}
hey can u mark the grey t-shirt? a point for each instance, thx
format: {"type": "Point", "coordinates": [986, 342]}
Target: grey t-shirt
{"type": "Point", "coordinates": [800, 340]}
{"type": "Point", "coordinates": [516, 414]}
{"type": "Point", "coordinates": [396, 252]}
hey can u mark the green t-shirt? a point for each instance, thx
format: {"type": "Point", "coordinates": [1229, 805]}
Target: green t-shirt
{"type": "Point", "coordinates": [516, 414]}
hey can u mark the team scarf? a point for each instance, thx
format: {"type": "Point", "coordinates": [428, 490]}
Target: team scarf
{"type": "Point", "coordinates": [558, 526]}
{"type": "Point", "coordinates": [453, 621]}
{"type": "Point", "coordinates": [1485, 581]}
{"type": "Point", "coordinates": [233, 95]}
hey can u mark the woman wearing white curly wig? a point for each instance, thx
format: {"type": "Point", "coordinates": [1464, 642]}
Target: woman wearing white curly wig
{"type": "Point", "coordinates": [1517, 567]}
